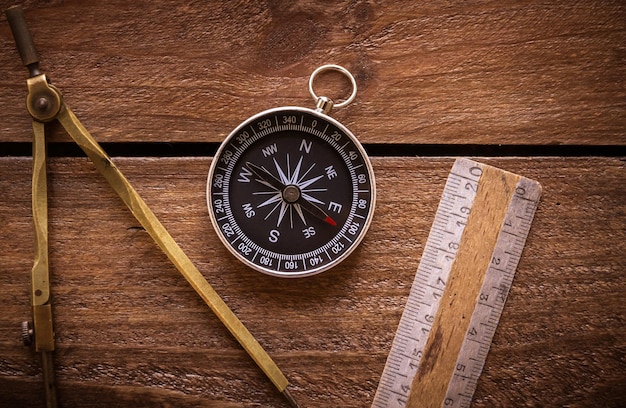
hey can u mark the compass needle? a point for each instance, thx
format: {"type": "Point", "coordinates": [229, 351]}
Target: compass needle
{"type": "Point", "coordinates": [265, 177]}
{"type": "Point", "coordinates": [330, 221]}
{"type": "Point", "coordinates": [318, 173]}
{"type": "Point", "coordinates": [316, 211]}
{"type": "Point", "coordinates": [324, 195]}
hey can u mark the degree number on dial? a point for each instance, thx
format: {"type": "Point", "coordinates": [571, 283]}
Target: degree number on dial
{"type": "Point", "coordinates": [291, 192]}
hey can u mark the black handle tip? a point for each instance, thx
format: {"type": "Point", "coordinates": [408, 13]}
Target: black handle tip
{"type": "Point", "coordinates": [23, 39]}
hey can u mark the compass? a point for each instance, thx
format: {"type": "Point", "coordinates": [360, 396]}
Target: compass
{"type": "Point", "coordinates": [291, 191]}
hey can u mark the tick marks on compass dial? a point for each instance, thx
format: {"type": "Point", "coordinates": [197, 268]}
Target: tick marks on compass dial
{"type": "Point", "coordinates": [291, 192]}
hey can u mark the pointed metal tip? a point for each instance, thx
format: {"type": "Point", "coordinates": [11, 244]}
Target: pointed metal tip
{"type": "Point", "coordinates": [289, 398]}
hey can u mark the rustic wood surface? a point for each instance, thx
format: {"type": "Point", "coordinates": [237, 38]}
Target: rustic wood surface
{"type": "Point", "coordinates": [493, 72]}
{"type": "Point", "coordinates": [129, 329]}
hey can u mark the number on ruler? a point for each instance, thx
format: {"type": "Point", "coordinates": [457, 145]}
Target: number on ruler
{"type": "Point", "coordinates": [443, 244]}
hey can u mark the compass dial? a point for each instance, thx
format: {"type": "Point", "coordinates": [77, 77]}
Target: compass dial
{"type": "Point", "coordinates": [291, 192]}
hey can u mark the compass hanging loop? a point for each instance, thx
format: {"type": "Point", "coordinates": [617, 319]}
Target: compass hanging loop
{"type": "Point", "coordinates": [291, 191]}
{"type": "Point", "coordinates": [324, 104]}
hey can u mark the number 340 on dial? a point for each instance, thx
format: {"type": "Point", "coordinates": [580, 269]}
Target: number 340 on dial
{"type": "Point", "coordinates": [291, 192]}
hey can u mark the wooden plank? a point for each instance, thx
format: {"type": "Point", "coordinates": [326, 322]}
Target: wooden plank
{"type": "Point", "coordinates": [130, 331]}
{"type": "Point", "coordinates": [504, 72]}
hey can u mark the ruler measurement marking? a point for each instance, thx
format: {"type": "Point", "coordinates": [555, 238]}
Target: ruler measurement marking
{"type": "Point", "coordinates": [502, 290]}
{"type": "Point", "coordinates": [510, 233]}
{"type": "Point", "coordinates": [465, 177]}
{"type": "Point", "coordinates": [453, 226]}
{"type": "Point", "coordinates": [512, 253]}
{"type": "Point", "coordinates": [529, 199]}
{"type": "Point", "coordinates": [446, 251]}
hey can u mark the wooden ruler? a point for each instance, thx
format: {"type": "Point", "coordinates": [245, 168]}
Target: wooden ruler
{"type": "Point", "coordinates": [460, 288]}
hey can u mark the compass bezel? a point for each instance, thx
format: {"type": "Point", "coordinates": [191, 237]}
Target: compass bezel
{"type": "Point", "coordinates": [229, 155]}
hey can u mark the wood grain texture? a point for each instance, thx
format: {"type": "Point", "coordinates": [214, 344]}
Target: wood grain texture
{"type": "Point", "coordinates": [131, 332]}
{"type": "Point", "coordinates": [478, 72]}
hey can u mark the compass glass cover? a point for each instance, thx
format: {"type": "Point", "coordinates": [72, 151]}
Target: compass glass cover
{"type": "Point", "coordinates": [291, 192]}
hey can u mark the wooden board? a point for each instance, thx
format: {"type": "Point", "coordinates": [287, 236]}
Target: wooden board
{"type": "Point", "coordinates": [475, 74]}
{"type": "Point", "coordinates": [481, 72]}
{"type": "Point", "coordinates": [130, 331]}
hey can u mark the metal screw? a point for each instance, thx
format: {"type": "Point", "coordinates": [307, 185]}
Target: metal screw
{"type": "Point", "coordinates": [291, 193]}
{"type": "Point", "coordinates": [42, 104]}
{"type": "Point", "coordinates": [27, 333]}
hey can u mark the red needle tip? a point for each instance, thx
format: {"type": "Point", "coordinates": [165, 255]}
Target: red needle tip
{"type": "Point", "coordinates": [330, 221]}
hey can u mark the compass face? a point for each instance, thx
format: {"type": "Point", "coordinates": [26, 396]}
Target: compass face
{"type": "Point", "coordinates": [291, 192]}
